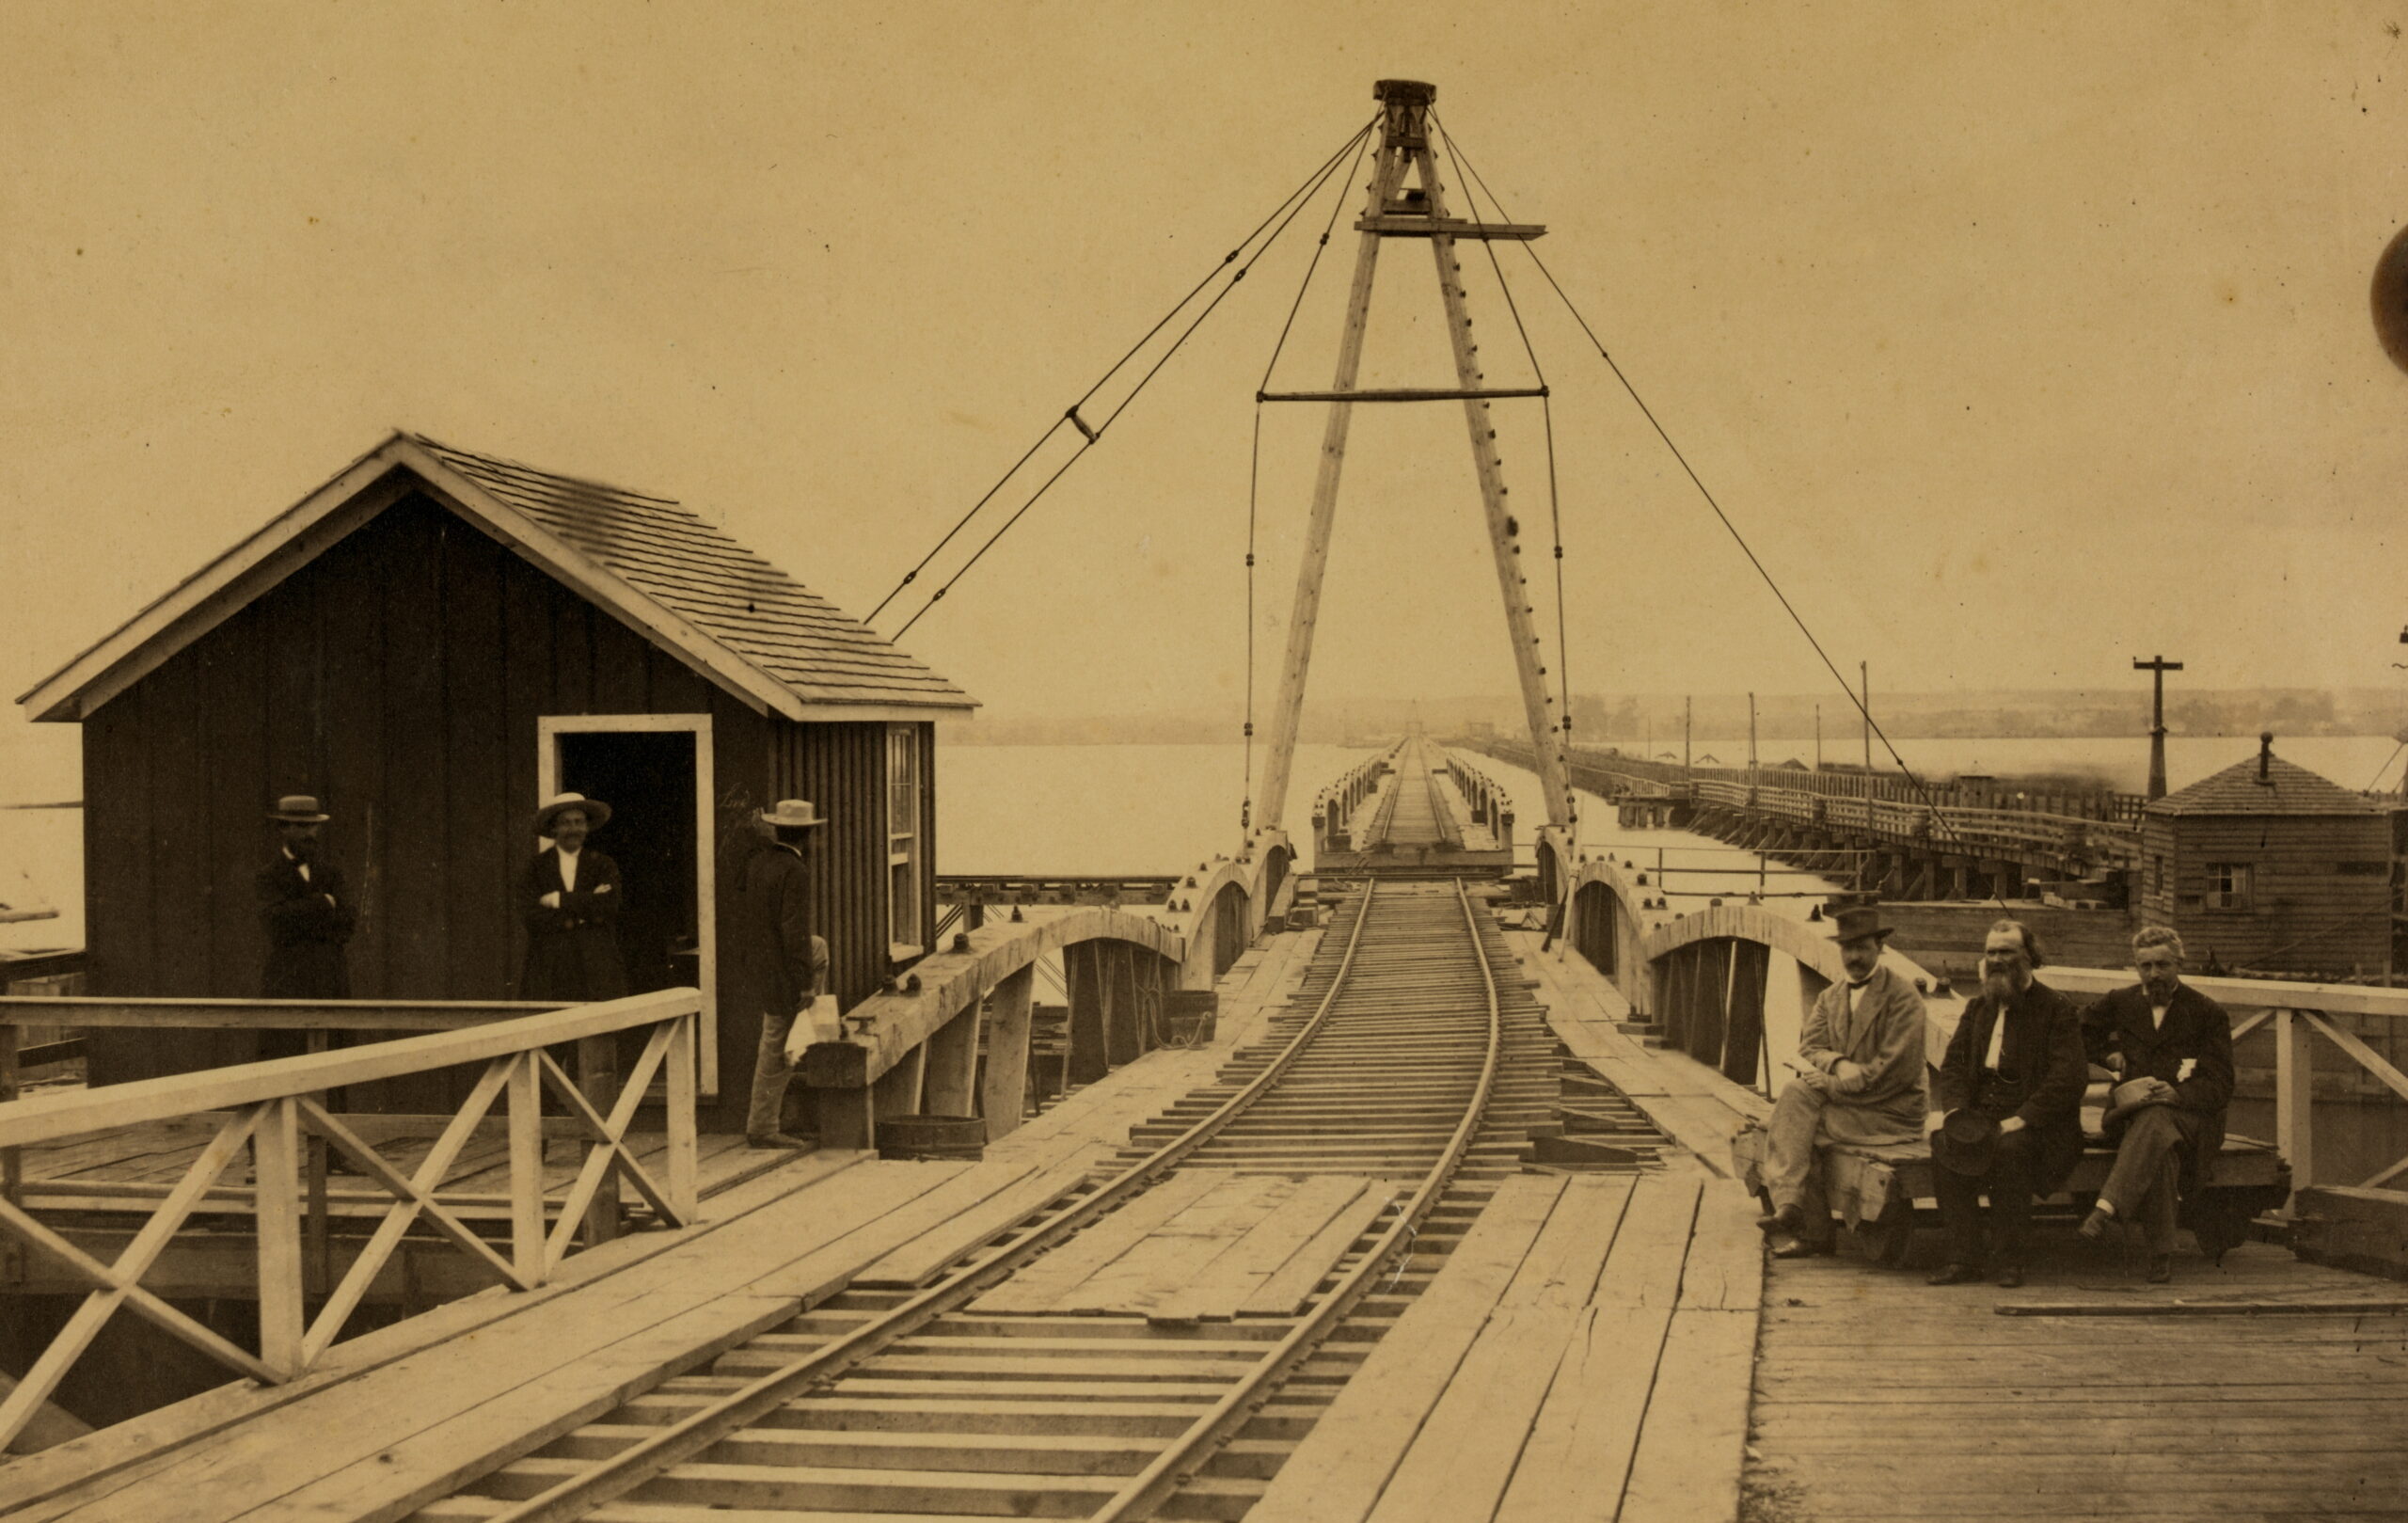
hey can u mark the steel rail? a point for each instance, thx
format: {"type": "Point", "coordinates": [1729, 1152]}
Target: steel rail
{"type": "Point", "coordinates": [1154, 1485]}
{"type": "Point", "coordinates": [623, 1473]}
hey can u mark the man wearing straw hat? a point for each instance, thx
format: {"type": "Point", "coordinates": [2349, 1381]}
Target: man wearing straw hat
{"type": "Point", "coordinates": [785, 966]}
{"type": "Point", "coordinates": [570, 901]}
{"type": "Point", "coordinates": [309, 917]}
{"type": "Point", "coordinates": [1859, 1080]}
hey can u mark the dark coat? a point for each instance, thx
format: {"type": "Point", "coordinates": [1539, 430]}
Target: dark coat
{"type": "Point", "coordinates": [780, 963]}
{"type": "Point", "coordinates": [2041, 1074]}
{"type": "Point", "coordinates": [2195, 1027]}
{"type": "Point", "coordinates": [305, 934]}
{"type": "Point", "coordinates": [573, 952]}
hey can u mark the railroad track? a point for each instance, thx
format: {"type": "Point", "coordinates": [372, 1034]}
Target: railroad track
{"type": "Point", "coordinates": [1412, 813]}
{"type": "Point", "coordinates": [1412, 1054]}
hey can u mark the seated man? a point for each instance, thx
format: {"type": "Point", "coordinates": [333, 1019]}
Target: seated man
{"type": "Point", "coordinates": [2009, 1118]}
{"type": "Point", "coordinates": [2170, 1048]}
{"type": "Point", "coordinates": [1859, 1080]}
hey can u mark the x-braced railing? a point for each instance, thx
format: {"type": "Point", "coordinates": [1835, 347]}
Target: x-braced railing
{"type": "Point", "coordinates": [272, 1104]}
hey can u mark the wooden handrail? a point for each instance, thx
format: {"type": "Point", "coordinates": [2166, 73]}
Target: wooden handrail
{"type": "Point", "coordinates": [264, 1014]}
{"type": "Point", "coordinates": [70, 1112]}
{"type": "Point", "coordinates": [271, 1109]}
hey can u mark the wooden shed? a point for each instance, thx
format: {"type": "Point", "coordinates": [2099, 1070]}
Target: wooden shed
{"type": "Point", "coordinates": [431, 642]}
{"type": "Point", "coordinates": [2269, 867]}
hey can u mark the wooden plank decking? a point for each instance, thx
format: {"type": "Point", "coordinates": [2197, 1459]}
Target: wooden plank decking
{"type": "Point", "coordinates": [1879, 1399]}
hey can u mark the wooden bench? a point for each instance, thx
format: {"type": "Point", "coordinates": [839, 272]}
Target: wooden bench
{"type": "Point", "coordinates": [1883, 1193]}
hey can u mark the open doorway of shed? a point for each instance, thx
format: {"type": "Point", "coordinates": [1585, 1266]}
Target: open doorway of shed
{"type": "Point", "coordinates": [655, 772]}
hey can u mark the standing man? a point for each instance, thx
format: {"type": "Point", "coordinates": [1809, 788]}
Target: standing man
{"type": "Point", "coordinates": [2170, 1048]}
{"type": "Point", "coordinates": [308, 917]}
{"type": "Point", "coordinates": [785, 965]}
{"type": "Point", "coordinates": [570, 900]}
{"type": "Point", "coordinates": [1859, 1080]}
{"type": "Point", "coordinates": [2009, 1122]}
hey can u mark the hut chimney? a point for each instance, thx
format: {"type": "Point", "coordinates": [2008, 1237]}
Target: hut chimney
{"type": "Point", "coordinates": [2265, 755]}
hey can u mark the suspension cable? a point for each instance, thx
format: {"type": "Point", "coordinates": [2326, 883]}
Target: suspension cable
{"type": "Point", "coordinates": [1295, 203]}
{"type": "Point", "coordinates": [1253, 469]}
{"type": "Point", "coordinates": [1938, 819]}
{"type": "Point", "coordinates": [1546, 413]}
{"type": "Point", "coordinates": [1071, 415]}
{"type": "Point", "coordinates": [1253, 477]}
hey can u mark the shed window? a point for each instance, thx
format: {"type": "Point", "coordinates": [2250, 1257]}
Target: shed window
{"type": "Point", "coordinates": [2227, 886]}
{"type": "Point", "coordinates": [2156, 873]}
{"type": "Point", "coordinates": [903, 847]}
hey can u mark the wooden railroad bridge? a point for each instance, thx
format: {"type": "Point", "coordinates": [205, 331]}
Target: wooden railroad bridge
{"type": "Point", "coordinates": [1884, 834]}
{"type": "Point", "coordinates": [1436, 1219]}
{"type": "Point", "coordinates": [1327, 1194]}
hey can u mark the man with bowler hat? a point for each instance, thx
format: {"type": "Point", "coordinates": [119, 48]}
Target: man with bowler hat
{"type": "Point", "coordinates": [1860, 1078]}
{"type": "Point", "coordinates": [2170, 1048]}
{"type": "Point", "coordinates": [570, 900]}
{"type": "Point", "coordinates": [309, 917]}
{"type": "Point", "coordinates": [2009, 1116]}
{"type": "Point", "coordinates": [785, 965]}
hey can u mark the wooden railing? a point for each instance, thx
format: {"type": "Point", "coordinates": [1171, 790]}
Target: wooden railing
{"type": "Point", "coordinates": [1946, 827]}
{"type": "Point", "coordinates": [2298, 1013]}
{"type": "Point", "coordinates": [268, 1108]}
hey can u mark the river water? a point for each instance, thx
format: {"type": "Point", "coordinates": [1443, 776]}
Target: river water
{"type": "Point", "coordinates": [1115, 809]}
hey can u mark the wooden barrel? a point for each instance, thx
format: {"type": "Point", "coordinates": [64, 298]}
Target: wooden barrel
{"type": "Point", "coordinates": [931, 1136]}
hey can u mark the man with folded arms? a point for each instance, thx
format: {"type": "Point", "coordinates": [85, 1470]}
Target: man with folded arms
{"type": "Point", "coordinates": [2009, 1118]}
{"type": "Point", "coordinates": [2170, 1048]}
{"type": "Point", "coordinates": [1859, 1080]}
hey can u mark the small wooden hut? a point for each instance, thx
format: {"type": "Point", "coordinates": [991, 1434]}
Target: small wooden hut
{"type": "Point", "coordinates": [2269, 867]}
{"type": "Point", "coordinates": [431, 641]}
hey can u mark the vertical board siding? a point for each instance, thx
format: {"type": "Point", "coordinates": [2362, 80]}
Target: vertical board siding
{"type": "Point", "coordinates": [180, 866]}
{"type": "Point", "coordinates": [117, 876]}
{"type": "Point", "coordinates": [478, 834]}
{"type": "Point", "coordinates": [416, 799]}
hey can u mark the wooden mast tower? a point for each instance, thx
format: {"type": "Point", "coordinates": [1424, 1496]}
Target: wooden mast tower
{"type": "Point", "coordinates": [1396, 209]}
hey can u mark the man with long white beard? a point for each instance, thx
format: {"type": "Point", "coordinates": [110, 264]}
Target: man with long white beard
{"type": "Point", "coordinates": [2009, 1116]}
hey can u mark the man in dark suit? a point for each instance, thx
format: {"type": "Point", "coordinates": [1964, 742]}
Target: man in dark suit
{"type": "Point", "coordinates": [783, 965]}
{"type": "Point", "coordinates": [2009, 1116]}
{"type": "Point", "coordinates": [570, 899]}
{"type": "Point", "coordinates": [309, 917]}
{"type": "Point", "coordinates": [2170, 1048]}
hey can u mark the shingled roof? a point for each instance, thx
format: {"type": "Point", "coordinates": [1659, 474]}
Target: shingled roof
{"type": "Point", "coordinates": [2288, 789]}
{"type": "Point", "coordinates": [682, 583]}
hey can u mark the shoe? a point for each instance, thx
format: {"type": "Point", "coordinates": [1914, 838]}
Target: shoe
{"type": "Point", "coordinates": [1954, 1275]}
{"type": "Point", "coordinates": [2160, 1268]}
{"type": "Point", "coordinates": [2011, 1277]}
{"type": "Point", "coordinates": [1789, 1218]}
{"type": "Point", "coordinates": [2094, 1226]}
{"type": "Point", "coordinates": [1803, 1248]}
{"type": "Point", "coordinates": [777, 1139]}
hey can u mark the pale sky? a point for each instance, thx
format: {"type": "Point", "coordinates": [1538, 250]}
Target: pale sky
{"type": "Point", "coordinates": [2020, 339]}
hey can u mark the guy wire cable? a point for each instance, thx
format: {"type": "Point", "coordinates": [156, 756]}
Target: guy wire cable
{"type": "Point", "coordinates": [1938, 818]}
{"type": "Point", "coordinates": [1070, 416]}
{"type": "Point", "coordinates": [1546, 412]}
{"type": "Point", "coordinates": [1295, 203]}
{"type": "Point", "coordinates": [1254, 471]}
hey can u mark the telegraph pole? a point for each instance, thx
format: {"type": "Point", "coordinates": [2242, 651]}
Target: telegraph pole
{"type": "Point", "coordinates": [1752, 737]}
{"type": "Point", "coordinates": [1818, 737]}
{"type": "Point", "coordinates": [1865, 681]}
{"type": "Point", "coordinates": [2157, 667]}
{"type": "Point", "coordinates": [1688, 710]}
